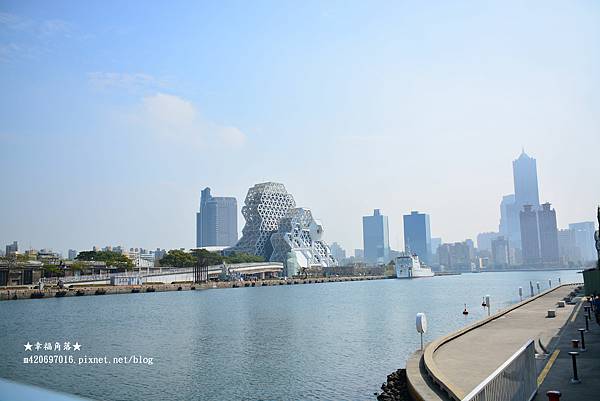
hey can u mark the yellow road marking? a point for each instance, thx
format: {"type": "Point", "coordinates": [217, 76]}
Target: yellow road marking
{"type": "Point", "coordinates": [546, 369]}
{"type": "Point", "coordinates": [576, 311]}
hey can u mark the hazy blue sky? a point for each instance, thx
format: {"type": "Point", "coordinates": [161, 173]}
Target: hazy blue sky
{"type": "Point", "coordinates": [114, 115]}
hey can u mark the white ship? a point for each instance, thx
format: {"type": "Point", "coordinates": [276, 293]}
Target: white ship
{"type": "Point", "coordinates": [409, 266]}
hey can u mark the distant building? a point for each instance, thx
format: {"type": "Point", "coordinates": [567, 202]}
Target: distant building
{"type": "Point", "coordinates": [548, 234]}
{"type": "Point", "coordinates": [526, 193]}
{"type": "Point", "coordinates": [159, 253]}
{"type": "Point", "coordinates": [338, 252]}
{"type": "Point", "coordinates": [484, 240]}
{"type": "Point", "coordinates": [500, 252]}
{"type": "Point", "coordinates": [359, 254]}
{"type": "Point", "coordinates": [376, 238]}
{"type": "Point", "coordinates": [568, 251]}
{"type": "Point", "coordinates": [417, 235]}
{"type": "Point", "coordinates": [435, 244]}
{"type": "Point", "coordinates": [509, 221]}
{"type": "Point", "coordinates": [526, 182]}
{"type": "Point", "coordinates": [216, 221]}
{"type": "Point", "coordinates": [12, 249]}
{"type": "Point", "coordinates": [72, 254]}
{"type": "Point", "coordinates": [456, 256]}
{"type": "Point", "coordinates": [530, 244]}
{"type": "Point", "coordinates": [584, 239]}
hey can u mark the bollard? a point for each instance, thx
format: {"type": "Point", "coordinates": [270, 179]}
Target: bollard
{"type": "Point", "coordinates": [582, 340]}
{"type": "Point", "coordinates": [553, 395]}
{"type": "Point", "coordinates": [587, 323]}
{"type": "Point", "coordinates": [589, 311]}
{"type": "Point", "coordinates": [575, 343]}
{"type": "Point", "coordinates": [521, 293]}
{"type": "Point", "coordinates": [575, 378]}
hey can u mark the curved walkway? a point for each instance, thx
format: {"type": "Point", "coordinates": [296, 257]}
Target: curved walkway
{"type": "Point", "coordinates": [462, 360]}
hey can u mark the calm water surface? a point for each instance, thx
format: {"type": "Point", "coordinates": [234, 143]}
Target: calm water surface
{"type": "Point", "coordinates": [334, 341]}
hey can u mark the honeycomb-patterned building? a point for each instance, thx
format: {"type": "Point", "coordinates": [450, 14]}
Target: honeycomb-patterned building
{"type": "Point", "coordinates": [300, 237]}
{"type": "Point", "coordinates": [265, 205]}
{"type": "Point", "coordinates": [276, 230]}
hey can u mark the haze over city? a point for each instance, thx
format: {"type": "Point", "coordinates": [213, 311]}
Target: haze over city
{"type": "Point", "coordinates": [105, 140]}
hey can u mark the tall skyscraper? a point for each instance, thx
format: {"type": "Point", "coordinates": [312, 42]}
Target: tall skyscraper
{"type": "Point", "coordinates": [530, 244]}
{"type": "Point", "coordinates": [526, 182]}
{"type": "Point", "coordinates": [216, 222]}
{"type": "Point", "coordinates": [417, 235]}
{"type": "Point", "coordinates": [526, 193]}
{"type": "Point", "coordinates": [548, 234]}
{"type": "Point", "coordinates": [376, 238]}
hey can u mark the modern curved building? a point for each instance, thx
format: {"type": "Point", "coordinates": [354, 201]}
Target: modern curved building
{"type": "Point", "coordinates": [280, 232]}
{"type": "Point", "coordinates": [299, 239]}
{"type": "Point", "coordinates": [265, 205]}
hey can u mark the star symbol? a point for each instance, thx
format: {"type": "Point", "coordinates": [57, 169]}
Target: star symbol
{"type": "Point", "coordinates": [76, 346]}
{"type": "Point", "coordinates": [28, 346]}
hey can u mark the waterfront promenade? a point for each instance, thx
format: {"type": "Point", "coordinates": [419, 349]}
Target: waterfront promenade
{"type": "Point", "coordinates": [462, 360]}
{"type": "Point", "coordinates": [558, 372]}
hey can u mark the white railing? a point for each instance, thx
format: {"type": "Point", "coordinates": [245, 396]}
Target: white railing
{"type": "Point", "coordinates": [514, 380]}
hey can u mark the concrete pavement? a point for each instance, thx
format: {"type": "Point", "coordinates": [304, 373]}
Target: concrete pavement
{"type": "Point", "coordinates": [559, 371]}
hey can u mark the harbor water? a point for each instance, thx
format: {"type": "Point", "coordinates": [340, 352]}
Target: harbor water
{"type": "Point", "coordinates": [327, 341]}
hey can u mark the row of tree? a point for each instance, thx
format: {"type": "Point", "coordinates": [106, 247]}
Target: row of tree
{"type": "Point", "coordinates": [109, 257]}
{"type": "Point", "coordinates": [179, 258]}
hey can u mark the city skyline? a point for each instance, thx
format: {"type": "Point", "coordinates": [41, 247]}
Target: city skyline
{"type": "Point", "coordinates": [105, 141]}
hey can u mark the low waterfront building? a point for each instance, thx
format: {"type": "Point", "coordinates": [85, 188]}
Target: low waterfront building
{"type": "Point", "coordinates": [14, 273]}
{"type": "Point", "coordinates": [125, 280]}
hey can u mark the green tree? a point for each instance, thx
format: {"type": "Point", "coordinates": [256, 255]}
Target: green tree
{"type": "Point", "coordinates": [206, 258]}
{"type": "Point", "coordinates": [111, 258]}
{"type": "Point", "coordinates": [178, 258]}
{"type": "Point", "coordinates": [243, 258]}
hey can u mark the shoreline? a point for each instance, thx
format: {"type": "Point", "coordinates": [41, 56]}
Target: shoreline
{"type": "Point", "coordinates": [10, 294]}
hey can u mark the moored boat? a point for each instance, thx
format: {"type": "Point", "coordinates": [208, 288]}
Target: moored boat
{"type": "Point", "coordinates": [408, 266]}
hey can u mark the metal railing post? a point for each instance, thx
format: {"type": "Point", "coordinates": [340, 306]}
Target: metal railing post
{"type": "Point", "coordinates": [582, 340]}
{"type": "Point", "coordinates": [575, 378]}
{"type": "Point", "coordinates": [587, 323]}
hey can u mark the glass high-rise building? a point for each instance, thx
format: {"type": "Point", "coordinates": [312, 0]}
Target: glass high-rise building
{"type": "Point", "coordinates": [376, 238]}
{"type": "Point", "coordinates": [548, 234]}
{"type": "Point", "coordinates": [526, 182]}
{"type": "Point", "coordinates": [529, 236]}
{"type": "Point", "coordinates": [526, 193]}
{"type": "Point", "coordinates": [417, 235]}
{"type": "Point", "coordinates": [216, 222]}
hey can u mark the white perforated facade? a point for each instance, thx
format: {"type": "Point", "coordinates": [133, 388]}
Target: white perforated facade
{"type": "Point", "coordinates": [300, 234]}
{"type": "Point", "coordinates": [265, 205]}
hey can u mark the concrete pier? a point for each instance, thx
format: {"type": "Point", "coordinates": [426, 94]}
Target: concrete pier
{"type": "Point", "coordinates": [451, 366]}
{"type": "Point", "coordinates": [15, 293]}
